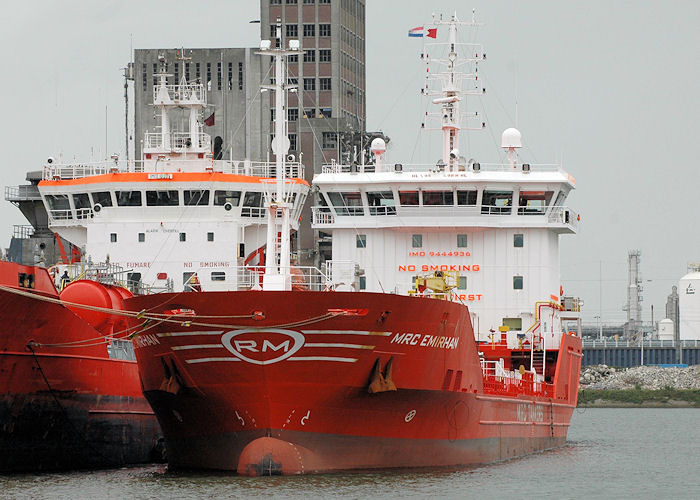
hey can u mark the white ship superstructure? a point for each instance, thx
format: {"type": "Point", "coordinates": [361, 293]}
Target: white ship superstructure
{"type": "Point", "coordinates": [178, 212]}
{"type": "Point", "coordinates": [492, 228]}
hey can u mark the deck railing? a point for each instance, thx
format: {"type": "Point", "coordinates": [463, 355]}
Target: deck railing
{"type": "Point", "coordinates": [22, 192]}
{"type": "Point", "coordinates": [611, 343]}
{"type": "Point", "coordinates": [59, 171]}
{"type": "Point", "coordinates": [555, 216]}
{"type": "Point", "coordinates": [337, 168]}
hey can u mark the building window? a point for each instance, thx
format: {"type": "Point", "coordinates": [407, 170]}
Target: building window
{"type": "Point", "coordinates": [293, 58]}
{"type": "Point", "coordinates": [324, 1]}
{"type": "Point", "coordinates": [309, 30]}
{"type": "Point", "coordinates": [330, 140]}
{"type": "Point", "coordinates": [197, 71]}
{"type": "Point", "coordinates": [230, 76]}
{"type": "Point", "coordinates": [187, 71]}
{"type": "Point", "coordinates": [275, 2]}
{"type": "Point", "coordinates": [324, 30]}
{"type": "Point", "coordinates": [273, 30]}
{"type": "Point", "coordinates": [517, 282]}
{"type": "Point", "coordinates": [142, 237]}
{"type": "Point", "coordinates": [309, 84]}
{"type": "Point", "coordinates": [324, 55]}
{"type": "Point", "coordinates": [240, 76]}
{"type": "Point", "coordinates": [326, 112]}
{"type": "Point", "coordinates": [292, 30]}
{"type": "Point", "coordinates": [361, 241]}
{"type": "Point", "coordinates": [309, 1]}
{"type": "Point", "coordinates": [310, 113]}
{"type": "Point", "coordinates": [272, 114]}
{"type": "Point", "coordinates": [218, 276]}
{"type": "Point", "coordinates": [177, 73]}
{"type": "Point", "coordinates": [183, 236]}
{"type": "Point", "coordinates": [417, 241]}
{"type": "Point", "coordinates": [363, 282]}
{"type": "Point", "coordinates": [461, 241]}
{"type": "Point", "coordinates": [218, 76]}
{"type": "Point", "coordinates": [292, 2]}
{"type": "Point", "coordinates": [113, 237]}
{"type": "Point", "coordinates": [144, 76]}
{"type": "Point", "coordinates": [292, 114]}
{"type": "Point", "coordinates": [513, 323]}
{"type": "Point", "coordinates": [324, 83]}
{"type": "Point", "coordinates": [518, 240]}
{"type": "Point", "coordinates": [292, 142]}
{"type": "Point", "coordinates": [462, 283]}
{"type": "Point", "coordinates": [310, 56]}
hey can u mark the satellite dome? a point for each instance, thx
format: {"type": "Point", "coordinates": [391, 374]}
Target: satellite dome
{"type": "Point", "coordinates": [511, 138]}
{"type": "Point", "coordinates": [378, 145]}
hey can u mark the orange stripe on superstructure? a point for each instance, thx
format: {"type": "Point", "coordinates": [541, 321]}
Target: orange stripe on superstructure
{"type": "Point", "coordinates": [177, 177]}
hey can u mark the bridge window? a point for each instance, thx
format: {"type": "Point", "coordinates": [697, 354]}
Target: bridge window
{"type": "Point", "coordinates": [518, 240]}
{"type": "Point", "coordinates": [438, 198]}
{"type": "Point", "coordinates": [58, 202]}
{"type": "Point", "coordinates": [462, 283]}
{"type": "Point", "coordinates": [409, 198]}
{"type": "Point", "coordinates": [363, 282]}
{"type": "Point", "coordinates": [210, 236]}
{"type": "Point", "coordinates": [223, 197]}
{"type": "Point", "coordinates": [183, 236]}
{"type": "Point", "coordinates": [461, 241]}
{"type": "Point", "coordinates": [497, 202]}
{"type": "Point", "coordinates": [142, 237]}
{"type": "Point", "coordinates": [517, 282]}
{"type": "Point", "coordinates": [128, 198]}
{"type": "Point", "coordinates": [218, 276]}
{"type": "Point", "coordinates": [252, 204]}
{"type": "Point", "coordinates": [381, 203]}
{"type": "Point", "coordinates": [466, 197]}
{"type": "Point", "coordinates": [113, 237]}
{"type": "Point", "coordinates": [104, 198]}
{"type": "Point", "coordinates": [534, 202]}
{"type": "Point", "coordinates": [81, 200]}
{"type": "Point", "coordinates": [361, 241]}
{"type": "Point", "coordinates": [196, 197]}
{"type": "Point", "coordinates": [162, 198]}
{"type": "Point", "coordinates": [417, 241]}
{"type": "Point", "coordinates": [347, 203]}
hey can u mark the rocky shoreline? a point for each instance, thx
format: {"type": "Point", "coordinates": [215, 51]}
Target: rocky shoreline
{"type": "Point", "coordinates": [603, 386]}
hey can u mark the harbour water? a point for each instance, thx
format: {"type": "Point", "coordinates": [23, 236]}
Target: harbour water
{"type": "Point", "coordinates": [611, 453]}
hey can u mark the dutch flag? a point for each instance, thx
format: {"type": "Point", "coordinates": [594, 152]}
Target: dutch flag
{"type": "Point", "coordinates": [420, 31]}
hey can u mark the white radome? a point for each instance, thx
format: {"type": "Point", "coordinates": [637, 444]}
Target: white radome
{"type": "Point", "coordinates": [511, 138]}
{"type": "Point", "coordinates": [378, 145]}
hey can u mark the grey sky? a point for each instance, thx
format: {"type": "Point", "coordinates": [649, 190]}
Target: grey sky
{"type": "Point", "coordinates": [612, 87]}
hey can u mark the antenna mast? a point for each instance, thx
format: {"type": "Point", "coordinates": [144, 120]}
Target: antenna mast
{"type": "Point", "coordinates": [278, 277]}
{"type": "Point", "coordinates": [460, 65]}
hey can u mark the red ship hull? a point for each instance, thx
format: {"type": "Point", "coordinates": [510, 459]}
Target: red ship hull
{"type": "Point", "coordinates": [298, 382]}
{"type": "Point", "coordinates": [64, 407]}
